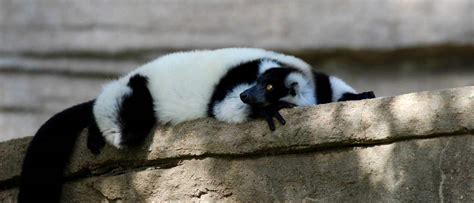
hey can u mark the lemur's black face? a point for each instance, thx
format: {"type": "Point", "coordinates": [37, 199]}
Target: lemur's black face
{"type": "Point", "coordinates": [270, 88]}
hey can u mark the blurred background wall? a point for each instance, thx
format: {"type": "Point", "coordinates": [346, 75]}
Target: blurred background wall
{"type": "Point", "coordinates": [56, 53]}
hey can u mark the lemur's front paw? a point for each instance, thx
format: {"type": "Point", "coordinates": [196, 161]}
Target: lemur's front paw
{"type": "Point", "coordinates": [95, 148]}
{"type": "Point", "coordinates": [271, 111]}
{"type": "Point", "coordinates": [95, 143]}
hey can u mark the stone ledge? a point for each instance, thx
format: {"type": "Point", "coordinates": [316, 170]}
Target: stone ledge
{"type": "Point", "coordinates": [331, 126]}
{"type": "Point", "coordinates": [421, 170]}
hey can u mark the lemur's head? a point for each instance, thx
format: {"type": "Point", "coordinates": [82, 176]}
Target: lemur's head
{"type": "Point", "coordinates": [271, 86]}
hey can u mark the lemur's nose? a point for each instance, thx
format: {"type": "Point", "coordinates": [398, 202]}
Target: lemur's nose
{"type": "Point", "coordinates": [244, 97]}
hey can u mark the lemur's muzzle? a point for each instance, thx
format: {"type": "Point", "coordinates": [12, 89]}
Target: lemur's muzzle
{"type": "Point", "coordinates": [244, 96]}
{"type": "Point", "coordinates": [253, 96]}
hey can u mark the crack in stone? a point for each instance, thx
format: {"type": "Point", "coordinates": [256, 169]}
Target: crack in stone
{"type": "Point", "coordinates": [442, 175]}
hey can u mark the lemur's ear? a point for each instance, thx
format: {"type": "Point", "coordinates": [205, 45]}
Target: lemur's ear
{"type": "Point", "coordinates": [294, 88]}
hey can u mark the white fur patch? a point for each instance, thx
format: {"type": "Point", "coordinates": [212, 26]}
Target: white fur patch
{"type": "Point", "coordinates": [267, 64]}
{"type": "Point", "coordinates": [106, 108]}
{"type": "Point", "coordinates": [339, 87]}
{"type": "Point", "coordinates": [232, 109]}
{"type": "Point", "coordinates": [304, 91]}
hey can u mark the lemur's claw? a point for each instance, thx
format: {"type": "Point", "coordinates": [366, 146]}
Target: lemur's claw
{"type": "Point", "coordinates": [280, 118]}
{"type": "Point", "coordinates": [95, 142]}
{"type": "Point", "coordinates": [95, 148]}
{"type": "Point", "coordinates": [271, 112]}
{"type": "Point", "coordinates": [270, 122]}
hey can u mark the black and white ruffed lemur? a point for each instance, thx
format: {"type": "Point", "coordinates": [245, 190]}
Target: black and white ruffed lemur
{"type": "Point", "coordinates": [232, 85]}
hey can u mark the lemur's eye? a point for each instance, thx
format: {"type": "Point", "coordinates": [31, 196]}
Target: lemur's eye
{"type": "Point", "coordinates": [269, 87]}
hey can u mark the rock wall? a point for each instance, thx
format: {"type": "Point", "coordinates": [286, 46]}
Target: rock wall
{"type": "Point", "coordinates": [417, 147]}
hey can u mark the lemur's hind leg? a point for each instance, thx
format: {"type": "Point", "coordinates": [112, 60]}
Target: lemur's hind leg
{"type": "Point", "coordinates": [136, 116]}
{"type": "Point", "coordinates": [95, 140]}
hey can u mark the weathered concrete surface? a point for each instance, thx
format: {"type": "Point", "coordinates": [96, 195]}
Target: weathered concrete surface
{"type": "Point", "coordinates": [422, 170]}
{"type": "Point", "coordinates": [430, 170]}
{"type": "Point", "coordinates": [58, 25]}
{"type": "Point", "coordinates": [414, 147]}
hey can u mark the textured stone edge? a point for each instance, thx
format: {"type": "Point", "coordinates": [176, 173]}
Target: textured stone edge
{"type": "Point", "coordinates": [331, 126]}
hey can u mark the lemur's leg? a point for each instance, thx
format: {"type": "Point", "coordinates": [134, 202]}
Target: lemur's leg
{"type": "Point", "coordinates": [95, 140]}
{"type": "Point", "coordinates": [136, 115]}
{"type": "Point", "coordinates": [135, 118]}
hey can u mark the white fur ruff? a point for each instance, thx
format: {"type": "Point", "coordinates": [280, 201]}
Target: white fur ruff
{"type": "Point", "coordinates": [106, 108]}
{"type": "Point", "coordinates": [232, 109]}
{"type": "Point", "coordinates": [267, 64]}
{"type": "Point", "coordinates": [304, 90]}
{"type": "Point", "coordinates": [339, 88]}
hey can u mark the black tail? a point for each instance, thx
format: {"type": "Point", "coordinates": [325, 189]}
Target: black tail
{"type": "Point", "coordinates": [50, 151]}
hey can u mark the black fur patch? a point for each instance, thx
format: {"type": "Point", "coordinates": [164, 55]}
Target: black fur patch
{"type": "Point", "coordinates": [275, 77]}
{"type": "Point", "coordinates": [95, 139]}
{"type": "Point", "coordinates": [261, 99]}
{"type": "Point", "coordinates": [360, 96]}
{"type": "Point", "coordinates": [136, 114]}
{"type": "Point", "coordinates": [243, 73]}
{"type": "Point", "coordinates": [323, 89]}
{"type": "Point", "coordinates": [49, 153]}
